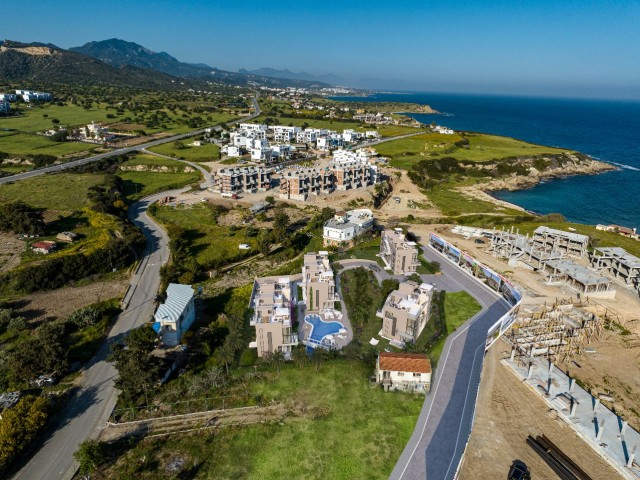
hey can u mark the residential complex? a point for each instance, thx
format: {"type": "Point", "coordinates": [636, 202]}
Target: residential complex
{"type": "Point", "coordinates": [318, 284]}
{"type": "Point", "coordinates": [273, 310]}
{"type": "Point", "coordinates": [344, 227]}
{"type": "Point", "coordinates": [176, 315]}
{"type": "Point", "coordinates": [299, 184]}
{"type": "Point", "coordinates": [568, 243]}
{"type": "Point", "coordinates": [399, 254]}
{"type": "Point", "coordinates": [406, 311]}
{"type": "Point", "coordinates": [617, 261]}
{"type": "Point", "coordinates": [404, 371]}
{"type": "Point", "coordinates": [244, 179]}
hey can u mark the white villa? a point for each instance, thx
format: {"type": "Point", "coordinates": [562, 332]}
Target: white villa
{"type": "Point", "coordinates": [344, 227]}
{"type": "Point", "coordinates": [404, 371]}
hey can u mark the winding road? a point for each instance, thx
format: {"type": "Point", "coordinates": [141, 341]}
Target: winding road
{"type": "Point", "coordinates": [89, 408]}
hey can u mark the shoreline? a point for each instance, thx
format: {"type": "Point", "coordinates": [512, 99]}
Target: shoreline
{"type": "Point", "coordinates": [485, 191]}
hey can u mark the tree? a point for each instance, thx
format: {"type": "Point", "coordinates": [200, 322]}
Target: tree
{"type": "Point", "coordinates": [277, 359]}
{"type": "Point", "coordinates": [320, 355]}
{"type": "Point", "coordinates": [45, 352]}
{"type": "Point", "coordinates": [19, 426]}
{"type": "Point", "coordinates": [226, 355]}
{"type": "Point", "coordinates": [18, 217]}
{"type": "Point", "coordinates": [270, 200]}
{"type": "Point", "coordinates": [299, 355]}
{"type": "Point", "coordinates": [280, 224]}
{"type": "Point", "coordinates": [264, 242]}
{"type": "Point", "coordinates": [91, 454]}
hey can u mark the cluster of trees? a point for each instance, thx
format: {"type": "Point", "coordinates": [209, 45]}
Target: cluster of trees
{"type": "Point", "coordinates": [38, 160]}
{"type": "Point", "coordinates": [18, 217]}
{"type": "Point", "coordinates": [138, 369]}
{"type": "Point", "coordinates": [235, 319]}
{"type": "Point", "coordinates": [428, 173]}
{"type": "Point", "coordinates": [19, 426]}
{"type": "Point", "coordinates": [10, 322]}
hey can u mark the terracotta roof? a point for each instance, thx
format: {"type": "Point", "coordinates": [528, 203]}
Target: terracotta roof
{"type": "Point", "coordinates": [46, 245]}
{"type": "Point", "coordinates": [405, 362]}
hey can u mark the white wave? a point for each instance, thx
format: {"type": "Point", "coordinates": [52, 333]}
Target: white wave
{"type": "Point", "coordinates": [626, 167]}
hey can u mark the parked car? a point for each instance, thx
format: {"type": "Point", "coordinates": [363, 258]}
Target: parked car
{"type": "Point", "coordinates": [479, 240]}
{"type": "Point", "coordinates": [519, 471]}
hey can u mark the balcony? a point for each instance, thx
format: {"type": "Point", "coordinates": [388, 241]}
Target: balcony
{"type": "Point", "coordinates": [291, 340]}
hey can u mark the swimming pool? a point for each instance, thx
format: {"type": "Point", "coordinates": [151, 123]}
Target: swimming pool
{"type": "Point", "coordinates": [320, 328]}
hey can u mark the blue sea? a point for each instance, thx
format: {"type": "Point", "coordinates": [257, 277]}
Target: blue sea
{"type": "Point", "coordinates": [608, 130]}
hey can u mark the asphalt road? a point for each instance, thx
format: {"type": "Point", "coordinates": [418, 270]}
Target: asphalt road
{"type": "Point", "coordinates": [444, 425]}
{"type": "Point", "coordinates": [91, 405]}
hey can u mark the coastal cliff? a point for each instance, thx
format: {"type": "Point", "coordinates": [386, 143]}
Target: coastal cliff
{"type": "Point", "coordinates": [528, 176]}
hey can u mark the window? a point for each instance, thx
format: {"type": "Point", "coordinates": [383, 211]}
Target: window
{"type": "Point", "coordinates": [401, 374]}
{"type": "Point", "coordinates": [416, 375]}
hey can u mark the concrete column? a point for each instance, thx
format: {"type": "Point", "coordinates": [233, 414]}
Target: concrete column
{"type": "Point", "coordinates": [574, 405]}
{"type": "Point", "coordinates": [596, 405]}
{"type": "Point", "coordinates": [550, 367]}
{"type": "Point", "coordinates": [571, 383]}
{"type": "Point", "coordinates": [625, 424]}
{"type": "Point", "coordinates": [513, 353]}
{"type": "Point", "coordinates": [631, 457]}
{"type": "Point", "coordinates": [530, 371]}
{"type": "Point", "coordinates": [600, 429]}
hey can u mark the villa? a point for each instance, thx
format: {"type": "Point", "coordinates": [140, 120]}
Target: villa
{"type": "Point", "coordinates": [405, 312]}
{"type": "Point", "coordinates": [399, 255]}
{"type": "Point", "coordinates": [344, 227]}
{"type": "Point", "coordinates": [176, 315]}
{"type": "Point", "coordinates": [273, 307]}
{"type": "Point", "coordinates": [404, 371]}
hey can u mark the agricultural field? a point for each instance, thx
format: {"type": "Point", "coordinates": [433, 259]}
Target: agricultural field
{"type": "Point", "coordinates": [62, 191]}
{"type": "Point", "coordinates": [335, 442]}
{"type": "Point", "coordinates": [27, 143]}
{"type": "Point", "coordinates": [138, 184]}
{"type": "Point", "coordinates": [205, 153]}
{"type": "Point", "coordinates": [40, 118]}
{"type": "Point", "coordinates": [407, 151]}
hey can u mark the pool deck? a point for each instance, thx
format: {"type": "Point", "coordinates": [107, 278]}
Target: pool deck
{"type": "Point", "coordinates": [305, 328]}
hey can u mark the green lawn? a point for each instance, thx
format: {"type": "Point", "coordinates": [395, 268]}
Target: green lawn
{"type": "Point", "coordinates": [139, 184]}
{"type": "Point", "coordinates": [25, 143]}
{"type": "Point", "coordinates": [205, 153]}
{"type": "Point", "coordinates": [61, 191]}
{"type": "Point", "coordinates": [32, 119]}
{"type": "Point", "coordinates": [458, 308]}
{"type": "Point", "coordinates": [209, 243]}
{"type": "Point", "coordinates": [367, 250]}
{"type": "Point", "coordinates": [407, 151]}
{"type": "Point", "coordinates": [357, 432]}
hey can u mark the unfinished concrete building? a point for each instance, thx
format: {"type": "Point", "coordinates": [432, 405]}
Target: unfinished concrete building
{"type": "Point", "coordinates": [299, 184]}
{"type": "Point", "coordinates": [568, 243]}
{"type": "Point", "coordinates": [521, 250]}
{"type": "Point", "coordinates": [557, 332]}
{"type": "Point", "coordinates": [318, 284]}
{"type": "Point", "coordinates": [356, 174]}
{"type": "Point", "coordinates": [399, 254]}
{"type": "Point", "coordinates": [246, 179]}
{"type": "Point", "coordinates": [273, 304]}
{"type": "Point", "coordinates": [579, 278]}
{"type": "Point", "coordinates": [617, 261]}
{"type": "Point", "coordinates": [406, 311]}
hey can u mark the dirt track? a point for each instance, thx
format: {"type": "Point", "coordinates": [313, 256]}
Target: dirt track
{"type": "Point", "coordinates": [507, 412]}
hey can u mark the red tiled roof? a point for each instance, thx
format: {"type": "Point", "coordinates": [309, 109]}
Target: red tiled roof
{"type": "Point", "coordinates": [46, 245]}
{"type": "Point", "coordinates": [405, 362]}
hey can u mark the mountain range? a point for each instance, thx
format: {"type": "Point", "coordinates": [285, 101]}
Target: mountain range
{"type": "Point", "coordinates": [286, 73]}
{"type": "Point", "coordinates": [118, 62]}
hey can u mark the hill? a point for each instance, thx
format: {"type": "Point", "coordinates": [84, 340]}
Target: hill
{"type": "Point", "coordinates": [40, 62]}
{"type": "Point", "coordinates": [286, 73]}
{"type": "Point", "coordinates": [119, 53]}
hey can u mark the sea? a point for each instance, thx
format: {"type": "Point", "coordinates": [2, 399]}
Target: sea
{"type": "Point", "coordinates": [607, 130]}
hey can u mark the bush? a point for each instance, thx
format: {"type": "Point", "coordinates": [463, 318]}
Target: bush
{"type": "Point", "coordinates": [91, 454]}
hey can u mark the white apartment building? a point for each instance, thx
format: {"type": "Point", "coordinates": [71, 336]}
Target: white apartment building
{"type": "Point", "coordinates": [284, 134]}
{"type": "Point", "coordinates": [344, 227]}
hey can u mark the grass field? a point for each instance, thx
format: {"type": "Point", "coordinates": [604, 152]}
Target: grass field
{"type": "Point", "coordinates": [358, 433]}
{"type": "Point", "coordinates": [62, 191]}
{"type": "Point", "coordinates": [458, 308]}
{"type": "Point", "coordinates": [32, 119]}
{"type": "Point", "coordinates": [139, 184]}
{"type": "Point", "coordinates": [26, 143]}
{"type": "Point", "coordinates": [209, 243]}
{"type": "Point", "coordinates": [407, 151]}
{"type": "Point", "coordinates": [205, 153]}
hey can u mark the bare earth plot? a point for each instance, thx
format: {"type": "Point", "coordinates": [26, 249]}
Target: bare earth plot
{"type": "Point", "coordinates": [506, 413]}
{"type": "Point", "coordinates": [10, 249]}
{"type": "Point", "coordinates": [64, 301]}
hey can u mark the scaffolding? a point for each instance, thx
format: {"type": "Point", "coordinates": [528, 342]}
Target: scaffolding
{"type": "Point", "coordinates": [559, 332]}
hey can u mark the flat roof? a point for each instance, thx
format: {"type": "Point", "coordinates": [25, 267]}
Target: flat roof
{"type": "Point", "coordinates": [578, 272]}
{"type": "Point", "coordinates": [621, 255]}
{"type": "Point", "coordinates": [574, 237]}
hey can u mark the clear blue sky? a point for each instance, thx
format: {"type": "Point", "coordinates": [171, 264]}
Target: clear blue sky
{"type": "Point", "coordinates": [565, 48]}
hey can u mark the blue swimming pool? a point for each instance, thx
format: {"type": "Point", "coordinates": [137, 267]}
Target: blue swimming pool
{"type": "Point", "coordinates": [320, 328]}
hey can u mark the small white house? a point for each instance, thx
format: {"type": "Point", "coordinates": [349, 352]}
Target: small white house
{"type": "Point", "coordinates": [404, 371]}
{"type": "Point", "coordinates": [176, 314]}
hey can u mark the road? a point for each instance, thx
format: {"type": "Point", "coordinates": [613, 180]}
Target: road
{"type": "Point", "coordinates": [120, 151]}
{"type": "Point", "coordinates": [90, 406]}
{"type": "Point", "coordinates": [441, 433]}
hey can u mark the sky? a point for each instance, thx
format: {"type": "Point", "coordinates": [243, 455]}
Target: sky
{"type": "Point", "coordinates": [552, 48]}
